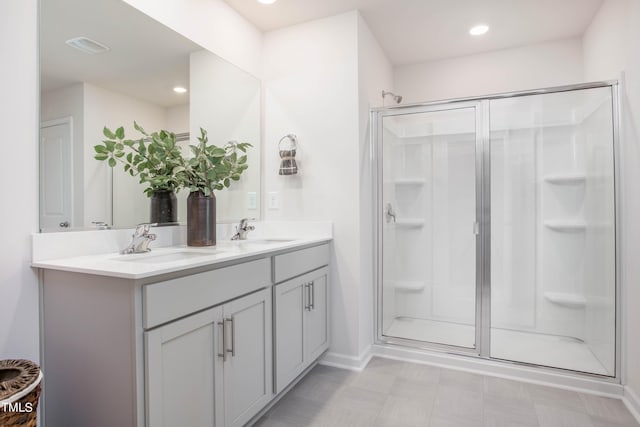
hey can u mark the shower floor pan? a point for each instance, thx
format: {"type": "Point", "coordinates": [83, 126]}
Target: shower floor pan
{"type": "Point", "coordinates": [506, 344]}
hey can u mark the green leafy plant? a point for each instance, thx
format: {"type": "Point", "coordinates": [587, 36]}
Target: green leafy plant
{"type": "Point", "coordinates": [212, 167]}
{"type": "Point", "coordinates": [155, 158]}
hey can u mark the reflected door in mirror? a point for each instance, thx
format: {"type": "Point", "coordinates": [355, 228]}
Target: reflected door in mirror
{"type": "Point", "coordinates": [56, 197]}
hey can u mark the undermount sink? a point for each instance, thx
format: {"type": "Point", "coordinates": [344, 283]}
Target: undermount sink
{"type": "Point", "coordinates": [151, 258]}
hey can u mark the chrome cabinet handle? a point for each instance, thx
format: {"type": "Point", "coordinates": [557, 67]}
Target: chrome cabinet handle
{"type": "Point", "coordinates": [305, 296]}
{"type": "Point", "coordinates": [307, 288]}
{"type": "Point", "coordinates": [232, 350]}
{"type": "Point", "coordinates": [64, 224]}
{"type": "Point", "coordinates": [312, 297]}
{"type": "Point", "coordinates": [224, 341]}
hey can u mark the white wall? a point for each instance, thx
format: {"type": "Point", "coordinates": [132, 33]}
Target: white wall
{"type": "Point", "coordinates": [19, 212]}
{"type": "Point", "coordinates": [604, 43]}
{"type": "Point", "coordinates": [311, 90]}
{"type": "Point", "coordinates": [611, 46]}
{"type": "Point", "coordinates": [69, 102]}
{"type": "Point", "coordinates": [212, 24]}
{"type": "Point", "coordinates": [530, 67]}
{"type": "Point", "coordinates": [631, 198]}
{"type": "Point", "coordinates": [375, 73]}
{"type": "Point", "coordinates": [178, 118]}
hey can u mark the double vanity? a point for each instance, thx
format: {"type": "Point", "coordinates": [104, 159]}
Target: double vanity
{"type": "Point", "coordinates": [181, 336]}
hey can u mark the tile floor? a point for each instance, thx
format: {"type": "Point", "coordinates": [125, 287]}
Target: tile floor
{"type": "Point", "coordinates": [390, 393]}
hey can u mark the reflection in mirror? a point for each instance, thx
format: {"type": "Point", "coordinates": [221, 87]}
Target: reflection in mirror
{"type": "Point", "coordinates": [132, 80]}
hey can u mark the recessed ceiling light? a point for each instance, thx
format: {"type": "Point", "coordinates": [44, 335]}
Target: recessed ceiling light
{"type": "Point", "coordinates": [179, 89]}
{"type": "Point", "coordinates": [478, 30]}
{"type": "Point", "coordinates": [267, 1]}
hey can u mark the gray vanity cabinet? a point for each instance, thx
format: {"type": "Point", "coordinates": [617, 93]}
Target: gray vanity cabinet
{"type": "Point", "coordinates": [248, 370]}
{"type": "Point", "coordinates": [301, 315]}
{"type": "Point", "coordinates": [211, 368]}
{"type": "Point", "coordinates": [181, 371]}
{"type": "Point", "coordinates": [187, 348]}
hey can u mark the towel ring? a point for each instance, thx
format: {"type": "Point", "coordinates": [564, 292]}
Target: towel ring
{"type": "Point", "coordinates": [292, 138]}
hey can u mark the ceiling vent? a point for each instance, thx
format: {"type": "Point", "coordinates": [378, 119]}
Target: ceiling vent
{"type": "Point", "coordinates": [86, 45]}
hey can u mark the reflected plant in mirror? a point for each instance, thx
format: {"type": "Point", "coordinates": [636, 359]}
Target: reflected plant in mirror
{"type": "Point", "coordinates": [154, 163]}
{"type": "Point", "coordinates": [155, 159]}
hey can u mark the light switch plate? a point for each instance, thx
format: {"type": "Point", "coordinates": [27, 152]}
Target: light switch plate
{"type": "Point", "coordinates": [252, 200]}
{"type": "Point", "coordinates": [273, 200]}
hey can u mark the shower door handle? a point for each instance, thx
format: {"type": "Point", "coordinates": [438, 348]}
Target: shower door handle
{"type": "Point", "coordinates": [389, 213]}
{"type": "Point", "coordinates": [476, 228]}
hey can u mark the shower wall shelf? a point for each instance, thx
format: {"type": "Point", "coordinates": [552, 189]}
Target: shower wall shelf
{"type": "Point", "coordinates": [409, 285]}
{"type": "Point", "coordinates": [566, 299]}
{"type": "Point", "coordinates": [410, 222]}
{"type": "Point", "coordinates": [566, 226]}
{"type": "Point", "coordinates": [569, 178]}
{"type": "Point", "coordinates": [409, 181]}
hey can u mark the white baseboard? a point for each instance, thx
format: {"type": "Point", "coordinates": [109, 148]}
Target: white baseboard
{"type": "Point", "coordinates": [343, 361]}
{"type": "Point", "coordinates": [632, 402]}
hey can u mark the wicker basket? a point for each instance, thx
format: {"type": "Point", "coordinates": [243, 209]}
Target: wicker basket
{"type": "Point", "coordinates": [19, 392]}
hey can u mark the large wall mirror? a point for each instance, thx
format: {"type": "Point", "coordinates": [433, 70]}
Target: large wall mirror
{"type": "Point", "coordinates": [83, 91]}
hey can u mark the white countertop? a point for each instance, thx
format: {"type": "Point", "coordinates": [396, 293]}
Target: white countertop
{"type": "Point", "coordinates": [172, 259]}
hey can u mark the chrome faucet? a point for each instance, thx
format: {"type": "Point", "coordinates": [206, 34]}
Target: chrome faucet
{"type": "Point", "coordinates": [243, 229]}
{"type": "Point", "coordinates": [140, 239]}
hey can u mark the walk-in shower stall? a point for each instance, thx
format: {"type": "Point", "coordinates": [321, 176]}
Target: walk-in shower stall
{"type": "Point", "coordinates": [496, 227]}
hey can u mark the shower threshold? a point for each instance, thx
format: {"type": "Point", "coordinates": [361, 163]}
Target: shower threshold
{"type": "Point", "coordinates": [506, 344]}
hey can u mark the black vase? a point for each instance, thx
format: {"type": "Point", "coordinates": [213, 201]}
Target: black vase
{"type": "Point", "coordinates": [201, 219]}
{"type": "Point", "coordinates": [164, 207]}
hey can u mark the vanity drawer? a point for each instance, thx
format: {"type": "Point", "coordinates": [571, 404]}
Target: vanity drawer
{"type": "Point", "coordinates": [172, 299]}
{"type": "Point", "coordinates": [299, 262]}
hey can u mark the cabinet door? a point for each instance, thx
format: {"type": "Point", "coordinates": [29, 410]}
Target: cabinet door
{"type": "Point", "coordinates": [181, 370]}
{"type": "Point", "coordinates": [316, 324]}
{"type": "Point", "coordinates": [248, 370]}
{"type": "Point", "coordinates": [289, 311]}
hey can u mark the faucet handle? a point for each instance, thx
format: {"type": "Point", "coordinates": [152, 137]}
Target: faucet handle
{"type": "Point", "coordinates": [143, 228]}
{"type": "Point", "coordinates": [244, 222]}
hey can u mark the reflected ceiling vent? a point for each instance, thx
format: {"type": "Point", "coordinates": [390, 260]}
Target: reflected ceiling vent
{"type": "Point", "coordinates": [86, 45]}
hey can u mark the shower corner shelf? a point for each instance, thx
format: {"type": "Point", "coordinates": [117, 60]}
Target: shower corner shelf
{"type": "Point", "coordinates": [566, 226]}
{"type": "Point", "coordinates": [566, 299]}
{"type": "Point", "coordinates": [410, 222]}
{"type": "Point", "coordinates": [409, 181]}
{"type": "Point", "coordinates": [409, 285]}
{"type": "Point", "coordinates": [566, 179]}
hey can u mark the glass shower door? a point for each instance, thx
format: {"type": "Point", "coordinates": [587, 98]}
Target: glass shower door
{"type": "Point", "coordinates": [429, 201]}
{"type": "Point", "coordinates": [553, 280]}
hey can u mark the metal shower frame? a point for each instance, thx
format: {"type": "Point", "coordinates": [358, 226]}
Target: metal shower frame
{"type": "Point", "coordinates": [483, 217]}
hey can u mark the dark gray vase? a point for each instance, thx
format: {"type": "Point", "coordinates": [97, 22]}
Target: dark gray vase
{"type": "Point", "coordinates": [164, 207]}
{"type": "Point", "coordinates": [201, 219]}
